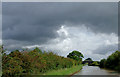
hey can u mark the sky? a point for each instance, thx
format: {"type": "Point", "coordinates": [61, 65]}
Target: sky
{"type": "Point", "coordinates": [0, 23]}
{"type": "Point", "coordinates": [61, 27]}
{"type": "Point", "coordinates": [60, 0]}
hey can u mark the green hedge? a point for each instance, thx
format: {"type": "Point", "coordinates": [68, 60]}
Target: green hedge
{"type": "Point", "coordinates": [112, 62]}
{"type": "Point", "coordinates": [33, 62]}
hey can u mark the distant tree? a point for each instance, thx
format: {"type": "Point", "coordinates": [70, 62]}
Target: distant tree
{"type": "Point", "coordinates": [94, 63]}
{"type": "Point", "coordinates": [88, 59]}
{"type": "Point", "coordinates": [37, 50]}
{"type": "Point", "coordinates": [76, 55]}
{"type": "Point", "coordinates": [102, 63]}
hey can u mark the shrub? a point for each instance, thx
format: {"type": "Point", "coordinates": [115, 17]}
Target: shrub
{"type": "Point", "coordinates": [33, 62]}
{"type": "Point", "coordinates": [112, 62]}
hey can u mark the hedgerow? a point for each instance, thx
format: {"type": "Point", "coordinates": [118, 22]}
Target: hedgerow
{"type": "Point", "coordinates": [33, 62]}
{"type": "Point", "coordinates": [112, 62]}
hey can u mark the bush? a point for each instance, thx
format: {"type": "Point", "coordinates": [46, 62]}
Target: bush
{"type": "Point", "coordinates": [112, 62]}
{"type": "Point", "coordinates": [94, 63]}
{"type": "Point", "coordinates": [102, 63]}
{"type": "Point", "coordinates": [34, 62]}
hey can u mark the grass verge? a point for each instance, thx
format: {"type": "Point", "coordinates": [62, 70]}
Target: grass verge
{"type": "Point", "coordinates": [66, 71]}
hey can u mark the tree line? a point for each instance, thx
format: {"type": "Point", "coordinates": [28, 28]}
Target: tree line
{"type": "Point", "coordinates": [112, 62]}
{"type": "Point", "coordinates": [36, 61]}
{"type": "Point", "coordinates": [90, 62]}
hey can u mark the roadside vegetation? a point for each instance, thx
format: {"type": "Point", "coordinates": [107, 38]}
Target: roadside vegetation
{"type": "Point", "coordinates": [35, 62]}
{"type": "Point", "coordinates": [90, 62]}
{"type": "Point", "coordinates": [94, 63]}
{"type": "Point", "coordinates": [65, 71]}
{"type": "Point", "coordinates": [112, 62]}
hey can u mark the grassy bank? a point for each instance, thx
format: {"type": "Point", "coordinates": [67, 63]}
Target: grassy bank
{"type": "Point", "coordinates": [66, 71]}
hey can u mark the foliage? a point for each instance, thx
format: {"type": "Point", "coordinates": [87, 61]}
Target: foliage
{"type": "Point", "coordinates": [102, 63]}
{"type": "Point", "coordinates": [88, 59]}
{"type": "Point", "coordinates": [37, 50]}
{"type": "Point", "coordinates": [33, 62]}
{"type": "Point", "coordinates": [112, 62]}
{"type": "Point", "coordinates": [94, 63]}
{"type": "Point", "coordinates": [76, 55]}
{"type": "Point", "coordinates": [66, 71]}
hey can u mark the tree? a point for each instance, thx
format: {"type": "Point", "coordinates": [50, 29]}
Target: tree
{"type": "Point", "coordinates": [76, 55]}
{"type": "Point", "coordinates": [37, 50]}
{"type": "Point", "coordinates": [88, 59]}
{"type": "Point", "coordinates": [94, 63]}
{"type": "Point", "coordinates": [102, 63]}
{"type": "Point", "coordinates": [112, 62]}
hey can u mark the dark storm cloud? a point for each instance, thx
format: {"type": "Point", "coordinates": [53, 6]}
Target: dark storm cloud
{"type": "Point", "coordinates": [37, 22]}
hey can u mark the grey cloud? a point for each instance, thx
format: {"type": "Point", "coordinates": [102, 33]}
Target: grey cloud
{"type": "Point", "coordinates": [61, 1]}
{"type": "Point", "coordinates": [105, 49]}
{"type": "Point", "coordinates": [37, 22]}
